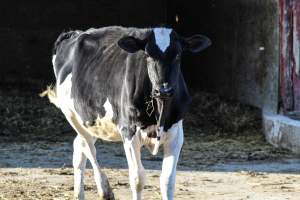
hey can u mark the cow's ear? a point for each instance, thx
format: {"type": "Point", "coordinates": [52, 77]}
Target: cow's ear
{"type": "Point", "coordinates": [195, 43]}
{"type": "Point", "coordinates": [131, 44]}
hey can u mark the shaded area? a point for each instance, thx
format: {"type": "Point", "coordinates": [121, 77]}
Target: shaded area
{"type": "Point", "coordinates": [28, 29]}
{"type": "Point", "coordinates": [243, 61]}
{"type": "Point", "coordinates": [25, 116]}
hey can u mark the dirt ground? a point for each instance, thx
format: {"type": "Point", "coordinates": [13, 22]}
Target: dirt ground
{"type": "Point", "coordinates": [225, 156]}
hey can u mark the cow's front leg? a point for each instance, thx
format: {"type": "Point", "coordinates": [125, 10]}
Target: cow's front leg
{"type": "Point", "coordinates": [132, 149]}
{"type": "Point", "coordinates": [172, 148]}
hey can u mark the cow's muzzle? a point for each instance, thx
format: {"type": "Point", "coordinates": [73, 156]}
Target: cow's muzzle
{"type": "Point", "coordinates": [164, 92]}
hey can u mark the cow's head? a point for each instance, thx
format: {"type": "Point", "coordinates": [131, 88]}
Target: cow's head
{"type": "Point", "coordinates": [164, 47]}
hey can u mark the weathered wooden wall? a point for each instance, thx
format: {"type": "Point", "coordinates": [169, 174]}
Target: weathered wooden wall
{"type": "Point", "coordinates": [290, 55]}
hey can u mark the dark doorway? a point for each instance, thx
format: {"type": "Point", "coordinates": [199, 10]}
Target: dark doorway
{"type": "Point", "coordinates": [243, 61]}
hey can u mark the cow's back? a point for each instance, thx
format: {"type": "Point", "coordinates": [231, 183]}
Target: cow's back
{"type": "Point", "coordinates": [98, 70]}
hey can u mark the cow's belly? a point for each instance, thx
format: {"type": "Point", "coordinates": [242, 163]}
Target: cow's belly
{"type": "Point", "coordinates": [103, 128]}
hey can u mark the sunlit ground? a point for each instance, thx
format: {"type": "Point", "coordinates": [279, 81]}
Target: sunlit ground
{"type": "Point", "coordinates": [37, 183]}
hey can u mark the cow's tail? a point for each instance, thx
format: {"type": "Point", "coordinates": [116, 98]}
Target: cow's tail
{"type": "Point", "coordinates": [51, 93]}
{"type": "Point", "coordinates": [64, 36]}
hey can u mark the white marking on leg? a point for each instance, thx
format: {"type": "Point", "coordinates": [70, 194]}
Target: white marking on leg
{"type": "Point", "coordinates": [79, 163]}
{"type": "Point", "coordinates": [172, 147]}
{"type": "Point", "coordinates": [136, 170]}
{"type": "Point", "coordinates": [162, 37]}
{"type": "Point", "coordinates": [89, 150]}
{"type": "Point", "coordinates": [100, 178]}
{"type": "Point", "coordinates": [109, 110]}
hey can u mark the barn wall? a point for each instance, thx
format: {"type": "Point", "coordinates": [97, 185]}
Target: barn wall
{"type": "Point", "coordinates": [290, 56]}
{"type": "Point", "coordinates": [233, 66]}
{"type": "Point", "coordinates": [29, 28]}
{"type": "Point", "coordinates": [243, 61]}
{"type": "Point", "coordinates": [296, 53]}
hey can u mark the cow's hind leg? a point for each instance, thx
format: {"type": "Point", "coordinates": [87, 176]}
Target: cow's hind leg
{"type": "Point", "coordinates": [85, 149]}
{"type": "Point", "coordinates": [101, 180]}
{"type": "Point", "coordinates": [79, 163]}
{"type": "Point", "coordinates": [136, 170]}
{"type": "Point", "coordinates": [86, 143]}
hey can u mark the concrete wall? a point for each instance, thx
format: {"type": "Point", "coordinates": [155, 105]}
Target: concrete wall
{"type": "Point", "coordinates": [243, 61]}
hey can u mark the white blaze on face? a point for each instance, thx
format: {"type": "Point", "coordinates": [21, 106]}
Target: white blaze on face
{"type": "Point", "coordinates": [162, 38]}
{"type": "Point", "coordinates": [109, 110]}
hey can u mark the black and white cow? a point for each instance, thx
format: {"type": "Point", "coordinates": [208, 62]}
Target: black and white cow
{"type": "Point", "coordinates": [125, 84]}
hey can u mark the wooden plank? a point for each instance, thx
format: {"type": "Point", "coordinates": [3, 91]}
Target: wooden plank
{"type": "Point", "coordinates": [286, 51]}
{"type": "Point", "coordinates": [296, 55]}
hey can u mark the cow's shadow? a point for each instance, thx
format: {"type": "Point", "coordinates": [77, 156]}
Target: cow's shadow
{"type": "Point", "coordinates": [58, 154]}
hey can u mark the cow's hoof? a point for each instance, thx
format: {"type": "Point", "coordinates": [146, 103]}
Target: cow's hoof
{"type": "Point", "coordinates": [79, 196]}
{"type": "Point", "coordinates": [109, 195]}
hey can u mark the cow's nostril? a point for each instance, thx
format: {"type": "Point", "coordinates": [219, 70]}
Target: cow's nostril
{"type": "Point", "coordinates": [165, 91]}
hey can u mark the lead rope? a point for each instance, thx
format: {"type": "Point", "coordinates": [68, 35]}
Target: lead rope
{"type": "Point", "coordinates": [160, 123]}
{"type": "Point", "coordinates": [150, 107]}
